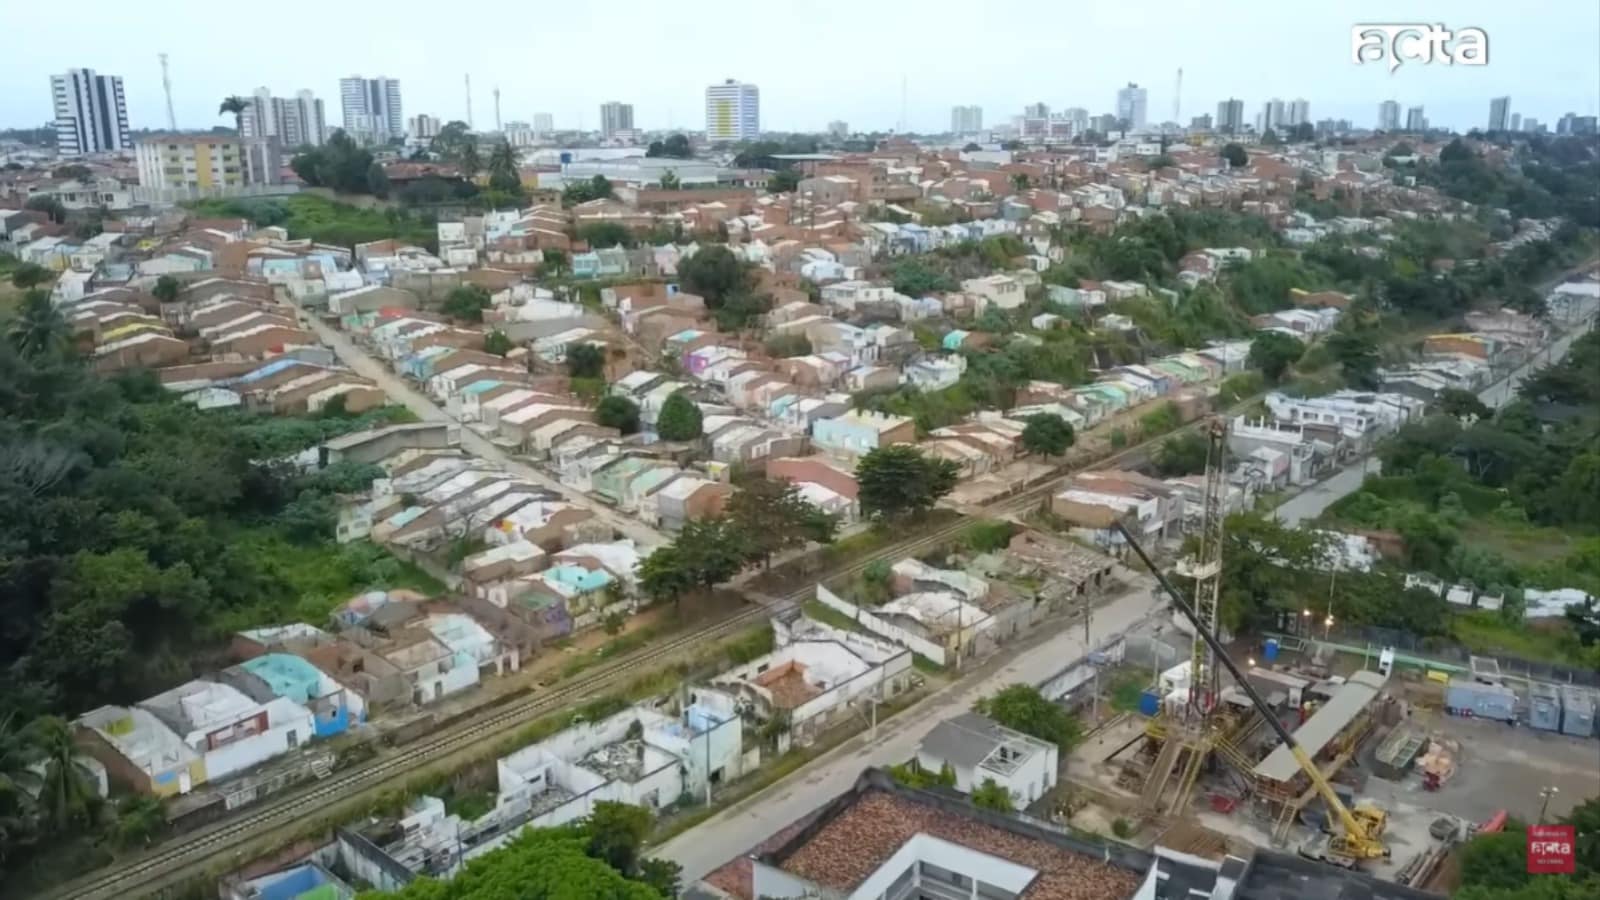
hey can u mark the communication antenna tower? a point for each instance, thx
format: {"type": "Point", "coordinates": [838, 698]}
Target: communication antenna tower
{"type": "Point", "coordinates": [469, 100]}
{"type": "Point", "coordinates": [1177, 97]}
{"type": "Point", "coordinates": [166, 85]}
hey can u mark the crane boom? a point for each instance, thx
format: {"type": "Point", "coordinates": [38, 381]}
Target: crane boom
{"type": "Point", "coordinates": [1356, 831]}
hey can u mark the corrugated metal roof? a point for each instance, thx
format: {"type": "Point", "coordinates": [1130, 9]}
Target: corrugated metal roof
{"type": "Point", "coordinates": [1340, 710]}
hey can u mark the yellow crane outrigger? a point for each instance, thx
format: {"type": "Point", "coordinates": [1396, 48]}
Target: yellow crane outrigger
{"type": "Point", "coordinates": [1361, 830]}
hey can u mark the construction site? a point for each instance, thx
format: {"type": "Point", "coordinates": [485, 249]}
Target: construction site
{"type": "Point", "coordinates": [1372, 763]}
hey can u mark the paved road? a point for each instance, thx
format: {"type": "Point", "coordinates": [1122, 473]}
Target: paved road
{"type": "Point", "coordinates": [423, 406]}
{"type": "Point", "coordinates": [735, 830]}
{"type": "Point", "coordinates": [1311, 502]}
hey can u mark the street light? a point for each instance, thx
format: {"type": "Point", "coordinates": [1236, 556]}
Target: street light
{"type": "Point", "coordinates": [1545, 795]}
{"type": "Point", "coordinates": [1327, 626]}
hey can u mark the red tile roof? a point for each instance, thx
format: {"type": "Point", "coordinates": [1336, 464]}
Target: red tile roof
{"type": "Point", "coordinates": [855, 843]}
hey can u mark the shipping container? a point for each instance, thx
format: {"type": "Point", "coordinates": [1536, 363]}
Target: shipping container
{"type": "Point", "coordinates": [1465, 697]}
{"type": "Point", "coordinates": [1577, 710]}
{"type": "Point", "coordinates": [1544, 706]}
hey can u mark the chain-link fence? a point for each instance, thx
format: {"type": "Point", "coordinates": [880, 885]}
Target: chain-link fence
{"type": "Point", "coordinates": [1447, 651]}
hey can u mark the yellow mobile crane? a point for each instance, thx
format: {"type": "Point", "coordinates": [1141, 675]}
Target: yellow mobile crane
{"type": "Point", "coordinates": [1360, 836]}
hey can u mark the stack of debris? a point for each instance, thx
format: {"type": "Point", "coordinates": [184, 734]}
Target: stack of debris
{"type": "Point", "coordinates": [1438, 765]}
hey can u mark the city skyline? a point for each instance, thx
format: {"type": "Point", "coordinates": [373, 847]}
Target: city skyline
{"type": "Point", "coordinates": [1548, 72]}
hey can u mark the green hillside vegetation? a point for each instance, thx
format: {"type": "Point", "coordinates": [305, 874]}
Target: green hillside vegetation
{"type": "Point", "coordinates": [141, 530]}
{"type": "Point", "coordinates": [326, 221]}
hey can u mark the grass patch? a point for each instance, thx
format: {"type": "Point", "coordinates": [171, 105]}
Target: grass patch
{"type": "Point", "coordinates": [1486, 632]}
{"type": "Point", "coordinates": [1125, 691]}
{"type": "Point", "coordinates": [321, 577]}
{"type": "Point", "coordinates": [925, 665]}
{"type": "Point", "coordinates": [468, 804]}
{"type": "Point", "coordinates": [827, 615]}
{"type": "Point", "coordinates": [1518, 542]}
{"type": "Point", "coordinates": [326, 221]}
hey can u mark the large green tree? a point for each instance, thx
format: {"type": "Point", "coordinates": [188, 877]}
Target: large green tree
{"type": "Point", "coordinates": [679, 419]}
{"type": "Point", "coordinates": [899, 480]}
{"type": "Point", "coordinates": [585, 361]}
{"type": "Point", "coordinates": [1273, 352]}
{"type": "Point", "coordinates": [466, 303]}
{"type": "Point", "coordinates": [30, 275]}
{"type": "Point", "coordinates": [716, 275]}
{"type": "Point", "coordinates": [617, 412]}
{"type": "Point", "coordinates": [1021, 707]}
{"type": "Point", "coordinates": [1047, 434]}
{"type": "Point", "coordinates": [774, 517]}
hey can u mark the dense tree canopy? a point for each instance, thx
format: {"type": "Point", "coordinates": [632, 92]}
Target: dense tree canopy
{"type": "Point", "coordinates": [676, 146]}
{"type": "Point", "coordinates": [899, 480]}
{"type": "Point", "coordinates": [572, 862]}
{"type": "Point", "coordinates": [340, 164]}
{"type": "Point", "coordinates": [142, 529]}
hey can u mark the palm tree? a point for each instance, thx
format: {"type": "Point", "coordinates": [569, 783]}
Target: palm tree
{"type": "Point", "coordinates": [37, 329]}
{"type": "Point", "coordinates": [236, 105]}
{"type": "Point", "coordinates": [66, 797]}
{"type": "Point", "coordinates": [18, 751]}
{"type": "Point", "coordinates": [18, 783]}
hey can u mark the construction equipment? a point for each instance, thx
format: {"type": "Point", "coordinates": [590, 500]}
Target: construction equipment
{"type": "Point", "coordinates": [1360, 836]}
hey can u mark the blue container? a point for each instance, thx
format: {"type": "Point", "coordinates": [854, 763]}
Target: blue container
{"type": "Point", "coordinates": [1149, 703]}
{"type": "Point", "coordinates": [566, 157]}
{"type": "Point", "coordinates": [1270, 652]}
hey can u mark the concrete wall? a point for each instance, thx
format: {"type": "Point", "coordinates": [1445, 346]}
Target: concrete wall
{"type": "Point", "coordinates": [879, 627]}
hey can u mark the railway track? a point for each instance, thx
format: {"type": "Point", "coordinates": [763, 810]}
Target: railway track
{"type": "Point", "coordinates": [189, 854]}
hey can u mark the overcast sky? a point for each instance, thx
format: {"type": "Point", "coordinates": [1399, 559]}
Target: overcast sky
{"type": "Point", "coordinates": [814, 61]}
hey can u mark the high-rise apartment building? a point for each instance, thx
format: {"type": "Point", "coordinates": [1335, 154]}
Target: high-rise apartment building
{"type": "Point", "coordinates": [1273, 116]}
{"type": "Point", "coordinates": [543, 125]}
{"type": "Point", "coordinates": [1389, 116]}
{"type": "Point", "coordinates": [1499, 113]}
{"type": "Point", "coordinates": [733, 112]}
{"type": "Point", "coordinates": [1516, 121]}
{"type": "Point", "coordinates": [1297, 112]}
{"type": "Point", "coordinates": [838, 128]}
{"type": "Point", "coordinates": [966, 119]}
{"type": "Point", "coordinates": [615, 117]}
{"type": "Point", "coordinates": [1415, 120]}
{"type": "Point", "coordinates": [91, 115]}
{"type": "Point", "coordinates": [1200, 123]}
{"type": "Point", "coordinates": [1131, 102]}
{"type": "Point", "coordinates": [371, 108]}
{"type": "Point", "coordinates": [422, 127]}
{"type": "Point", "coordinates": [1230, 116]}
{"type": "Point", "coordinates": [294, 121]}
